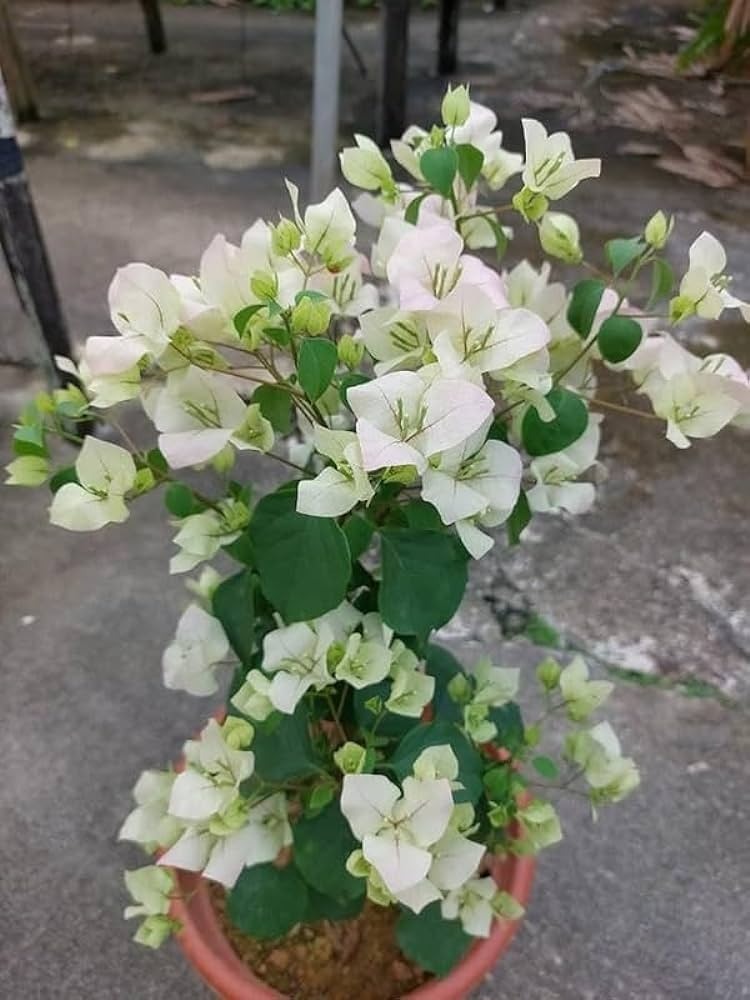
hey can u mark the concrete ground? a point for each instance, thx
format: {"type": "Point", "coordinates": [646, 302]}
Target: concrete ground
{"type": "Point", "coordinates": [648, 904]}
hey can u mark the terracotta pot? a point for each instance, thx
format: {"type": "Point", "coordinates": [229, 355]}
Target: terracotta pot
{"type": "Point", "coordinates": [208, 950]}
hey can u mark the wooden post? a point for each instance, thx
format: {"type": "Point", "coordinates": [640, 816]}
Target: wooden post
{"type": "Point", "coordinates": [154, 26]}
{"type": "Point", "coordinates": [394, 40]}
{"type": "Point", "coordinates": [23, 245]}
{"type": "Point", "coordinates": [329, 19]}
{"type": "Point", "coordinates": [448, 37]}
{"type": "Point", "coordinates": [15, 70]}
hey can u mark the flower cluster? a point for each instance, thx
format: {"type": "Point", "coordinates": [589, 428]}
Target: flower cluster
{"type": "Point", "coordinates": [423, 396]}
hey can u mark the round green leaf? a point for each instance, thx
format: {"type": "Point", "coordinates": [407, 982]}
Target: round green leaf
{"type": "Point", "coordinates": [433, 943]}
{"type": "Point", "coordinates": [584, 303]}
{"type": "Point", "coordinates": [621, 252]}
{"type": "Point", "coordinates": [316, 364]}
{"type": "Point", "coordinates": [439, 168]}
{"type": "Point", "coordinates": [547, 437]}
{"type": "Point", "coordinates": [618, 338]}
{"type": "Point", "coordinates": [303, 562]}
{"type": "Point", "coordinates": [234, 605]}
{"type": "Point", "coordinates": [322, 907]}
{"type": "Point", "coordinates": [322, 844]}
{"type": "Point", "coordinates": [266, 902]}
{"type": "Point", "coordinates": [180, 501]}
{"type": "Point", "coordinates": [470, 163]}
{"type": "Point", "coordinates": [275, 405]}
{"type": "Point", "coordinates": [423, 579]}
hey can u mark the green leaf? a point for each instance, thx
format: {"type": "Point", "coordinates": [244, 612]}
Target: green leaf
{"type": "Point", "coordinates": [441, 664]}
{"type": "Point", "coordinates": [275, 405]}
{"type": "Point", "coordinates": [234, 605]}
{"type": "Point", "coordinates": [241, 549]}
{"type": "Point", "coordinates": [303, 562]}
{"type": "Point", "coordinates": [29, 440]}
{"type": "Point", "coordinates": [321, 846]}
{"type": "Point", "coordinates": [518, 520]}
{"type": "Point", "coordinates": [412, 211]}
{"type": "Point", "coordinates": [359, 532]}
{"type": "Point", "coordinates": [266, 901]}
{"type": "Point", "coordinates": [157, 462]}
{"type": "Point", "coordinates": [180, 500]}
{"type": "Point", "coordinates": [470, 163]}
{"type": "Point", "coordinates": [621, 252]}
{"type": "Point", "coordinates": [279, 335]}
{"type": "Point", "coordinates": [320, 907]}
{"type": "Point", "coordinates": [243, 317]}
{"type": "Point", "coordinates": [584, 303]}
{"type": "Point", "coordinates": [662, 281]}
{"type": "Point", "coordinates": [316, 364]}
{"type": "Point", "coordinates": [433, 943]}
{"type": "Point", "coordinates": [431, 734]}
{"type": "Point", "coordinates": [422, 515]}
{"type": "Point", "coordinates": [439, 168]}
{"type": "Point", "coordinates": [618, 338]}
{"type": "Point", "coordinates": [424, 577]}
{"type": "Point", "coordinates": [547, 437]}
{"type": "Point", "coordinates": [510, 729]}
{"type": "Point", "coordinates": [63, 476]}
{"type": "Point", "coordinates": [498, 783]}
{"type": "Point", "coordinates": [282, 747]}
{"type": "Point", "coordinates": [318, 799]}
{"type": "Point", "coordinates": [545, 766]}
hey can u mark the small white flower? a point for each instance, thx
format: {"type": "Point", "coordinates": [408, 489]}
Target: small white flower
{"type": "Point", "coordinates": [397, 828]}
{"type": "Point", "coordinates": [581, 695]}
{"type": "Point", "coordinates": [202, 535]}
{"type": "Point", "coordinates": [105, 474]}
{"type": "Point", "coordinates": [151, 888]}
{"type": "Point", "coordinates": [363, 662]}
{"type": "Point", "coordinates": [297, 656]}
{"type": "Point", "coordinates": [410, 691]}
{"type": "Point", "coordinates": [694, 406]}
{"type": "Point", "coordinates": [191, 659]}
{"type": "Point", "coordinates": [150, 823]}
{"type": "Point", "coordinates": [403, 420]}
{"type": "Point", "coordinates": [472, 905]}
{"type": "Point", "coordinates": [341, 486]}
{"type": "Point", "coordinates": [551, 168]}
{"type": "Point", "coordinates": [197, 414]}
{"type": "Point", "coordinates": [704, 289]}
{"type": "Point", "coordinates": [556, 487]}
{"type": "Point", "coordinates": [253, 698]}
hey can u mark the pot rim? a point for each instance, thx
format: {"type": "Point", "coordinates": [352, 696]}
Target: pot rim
{"type": "Point", "coordinates": [208, 949]}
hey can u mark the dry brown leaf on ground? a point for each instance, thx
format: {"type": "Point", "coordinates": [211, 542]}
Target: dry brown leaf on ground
{"type": "Point", "coordinates": [639, 149]}
{"type": "Point", "coordinates": [223, 96]}
{"type": "Point", "coordinates": [647, 109]}
{"type": "Point", "coordinates": [660, 64]}
{"type": "Point", "coordinates": [704, 166]}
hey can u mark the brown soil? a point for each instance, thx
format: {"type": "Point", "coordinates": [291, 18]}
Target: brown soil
{"type": "Point", "coordinates": [330, 961]}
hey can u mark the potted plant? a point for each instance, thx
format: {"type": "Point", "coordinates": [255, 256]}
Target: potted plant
{"type": "Point", "coordinates": [364, 804]}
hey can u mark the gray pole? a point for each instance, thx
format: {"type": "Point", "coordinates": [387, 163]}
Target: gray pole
{"type": "Point", "coordinates": [325, 121]}
{"type": "Point", "coordinates": [22, 242]}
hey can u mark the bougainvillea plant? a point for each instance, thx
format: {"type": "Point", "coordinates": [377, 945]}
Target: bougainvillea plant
{"type": "Point", "coordinates": [416, 399]}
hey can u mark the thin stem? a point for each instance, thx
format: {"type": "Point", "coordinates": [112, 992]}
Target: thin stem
{"type": "Point", "coordinates": [335, 716]}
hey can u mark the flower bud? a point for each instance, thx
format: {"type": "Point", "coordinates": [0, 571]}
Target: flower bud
{"type": "Point", "coordinates": [265, 286]}
{"type": "Point", "coordinates": [548, 673]}
{"type": "Point", "coordinates": [681, 307]}
{"type": "Point", "coordinates": [311, 316]}
{"type": "Point", "coordinates": [285, 237]}
{"type": "Point", "coordinates": [530, 204]}
{"type": "Point", "coordinates": [350, 351]}
{"type": "Point", "coordinates": [351, 758]}
{"type": "Point", "coordinates": [658, 229]}
{"type": "Point", "coordinates": [155, 930]}
{"type": "Point", "coordinates": [144, 481]}
{"type": "Point", "coordinates": [238, 733]}
{"type": "Point", "coordinates": [223, 462]}
{"type": "Point", "coordinates": [459, 689]}
{"type": "Point", "coordinates": [455, 108]}
{"type": "Point", "coordinates": [559, 236]}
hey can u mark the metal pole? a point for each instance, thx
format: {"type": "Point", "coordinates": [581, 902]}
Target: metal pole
{"type": "Point", "coordinates": [448, 37]}
{"type": "Point", "coordinates": [394, 41]}
{"type": "Point", "coordinates": [325, 120]}
{"type": "Point", "coordinates": [22, 242]}
{"type": "Point", "coordinates": [157, 39]}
